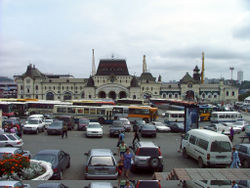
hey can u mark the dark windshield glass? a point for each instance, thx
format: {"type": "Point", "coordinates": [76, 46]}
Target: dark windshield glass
{"type": "Point", "coordinates": [220, 146]}
{"type": "Point", "coordinates": [57, 124]}
{"type": "Point", "coordinates": [101, 161]}
{"type": "Point", "coordinates": [46, 157]}
{"type": "Point", "coordinates": [148, 184]}
{"type": "Point", "coordinates": [83, 121]}
{"type": "Point", "coordinates": [153, 152]}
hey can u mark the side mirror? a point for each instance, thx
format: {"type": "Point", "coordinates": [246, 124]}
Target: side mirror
{"type": "Point", "coordinates": [86, 154]}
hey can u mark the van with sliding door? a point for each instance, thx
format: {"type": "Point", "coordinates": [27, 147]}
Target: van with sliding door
{"type": "Point", "coordinates": [209, 148]}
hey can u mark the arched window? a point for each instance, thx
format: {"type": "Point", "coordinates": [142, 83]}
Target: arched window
{"type": "Point", "coordinates": [164, 95]}
{"type": "Point", "coordinates": [102, 94]}
{"type": "Point", "coordinates": [67, 96]}
{"type": "Point", "coordinates": [83, 95]}
{"type": "Point", "coordinates": [49, 96]}
{"type": "Point", "coordinates": [122, 94]}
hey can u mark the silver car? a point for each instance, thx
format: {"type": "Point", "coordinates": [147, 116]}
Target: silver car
{"type": "Point", "coordinates": [100, 184]}
{"type": "Point", "coordinates": [11, 150]}
{"type": "Point", "coordinates": [101, 164]}
{"type": "Point", "coordinates": [13, 184]}
{"type": "Point", "coordinates": [10, 140]}
{"type": "Point", "coordinates": [146, 156]}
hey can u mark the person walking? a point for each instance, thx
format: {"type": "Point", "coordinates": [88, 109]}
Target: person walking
{"type": "Point", "coordinates": [127, 185]}
{"type": "Point", "coordinates": [235, 159]}
{"type": "Point", "coordinates": [120, 165]}
{"type": "Point", "coordinates": [127, 162]}
{"type": "Point", "coordinates": [231, 134]}
{"type": "Point", "coordinates": [234, 184]}
{"type": "Point", "coordinates": [65, 130]}
{"type": "Point", "coordinates": [136, 136]}
{"type": "Point", "coordinates": [120, 138]}
{"type": "Point", "coordinates": [180, 148]}
{"type": "Point", "coordinates": [122, 148]}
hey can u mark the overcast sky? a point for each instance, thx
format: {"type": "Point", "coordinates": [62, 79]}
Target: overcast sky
{"type": "Point", "coordinates": [58, 36]}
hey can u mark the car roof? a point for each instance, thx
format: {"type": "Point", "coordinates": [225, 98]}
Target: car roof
{"type": "Point", "coordinates": [48, 185]}
{"type": "Point", "coordinates": [101, 152]}
{"type": "Point", "coordinates": [49, 151]}
{"type": "Point", "coordinates": [8, 149]}
{"type": "Point", "coordinates": [245, 144]}
{"type": "Point", "coordinates": [147, 144]}
{"type": "Point", "coordinates": [8, 183]}
{"type": "Point", "coordinates": [100, 184]}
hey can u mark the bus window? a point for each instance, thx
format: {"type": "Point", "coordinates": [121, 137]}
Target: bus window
{"type": "Point", "coordinates": [92, 111]}
{"type": "Point", "coordinates": [86, 110]}
{"type": "Point", "coordinates": [71, 110]}
{"type": "Point", "coordinates": [63, 110]}
{"type": "Point", "coordinates": [79, 111]}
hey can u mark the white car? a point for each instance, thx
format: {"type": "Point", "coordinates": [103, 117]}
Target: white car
{"type": "Point", "coordinates": [34, 125]}
{"type": "Point", "coordinates": [94, 129]}
{"type": "Point", "coordinates": [236, 127]}
{"type": "Point", "coordinates": [13, 184]}
{"type": "Point", "coordinates": [161, 127]}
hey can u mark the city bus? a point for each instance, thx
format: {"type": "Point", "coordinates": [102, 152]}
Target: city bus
{"type": "Point", "coordinates": [127, 101]}
{"type": "Point", "coordinates": [132, 112]}
{"type": "Point", "coordinates": [102, 114]}
{"type": "Point", "coordinates": [7, 108]}
{"type": "Point", "coordinates": [174, 116]}
{"type": "Point", "coordinates": [225, 116]}
{"type": "Point", "coordinates": [92, 102]}
{"type": "Point", "coordinates": [205, 112]}
{"type": "Point", "coordinates": [43, 106]}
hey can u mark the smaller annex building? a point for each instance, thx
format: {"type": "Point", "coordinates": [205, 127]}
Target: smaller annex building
{"type": "Point", "coordinates": [113, 81]}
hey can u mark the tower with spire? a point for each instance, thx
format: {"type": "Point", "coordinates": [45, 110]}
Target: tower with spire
{"type": "Point", "coordinates": [93, 63]}
{"type": "Point", "coordinates": [144, 65]}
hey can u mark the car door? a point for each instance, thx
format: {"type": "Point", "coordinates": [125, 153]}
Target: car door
{"type": "Point", "coordinates": [3, 140]}
{"type": "Point", "coordinates": [62, 157]}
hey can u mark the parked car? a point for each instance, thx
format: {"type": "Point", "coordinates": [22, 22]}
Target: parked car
{"type": "Point", "coordinates": [51, 185]}
{"type": "Point", "coordinates": [13, 184]}
{"type": "Point", "coordinates": [126, 124]}
{"type": "Point", "coordinates": [69, 121]}
{"type": "Point", "coordinates": [55, 128]}
{"type": "Point", "coordinates": [147, 155]}
{"type": "Point", "coordinates": [243, 183]}
{"type": "Point", "coordinates": [148, 183]}
{"type": "Point", "coordinates": [237, 127]}
{"type": "Point", "coordinates": [13, 150]}
{"type": "Point", "coordinates": [13, 122]}
{"type": "Point", "coordinates": [116, 128]}
{"type": "Point", "coordinates": [34, 125]}
{"type": "Point", "coordinates": [148, 130]}
{"type": "Point", "coordinates": [59, 159]}
{"type": "Point", "coordinates": [177, 127]}
{"type": "Point", "coordinates": [82, 124]}
{"type": "Point", "coordinates": [161, 127]}
{"type": "Point", "coordinates": [10, 140]}
{"type": "Point", "coordinates": [48, 122]}
{"type": "Point", "coordinates": [94, 129]}
{"type": "Point", "coordinates": [137, 124]}
{"type": "Point", "coordinates": [219, 128]}
{"type": "Point", "coordinates": [208, 183]}
{"type": "Point", "coordinates": [101, 164]}
{"type": "Point", "coordinates": [244, 154]}
{"type": "Point", "coordinates": [100, 184]}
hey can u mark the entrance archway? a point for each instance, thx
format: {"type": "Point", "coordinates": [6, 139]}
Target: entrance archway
{"type": "Point", "coordinates": [112, 95]}
{"type": "Point", "coordinates": [50, 96]}
{"type": "Point", "coordinates": [147, 96]}
{"type": "Point", "coordinates": [189, 95]}
{"type": "Point", "coordinates": [122, 94]}
{"type": "Point", "coordinates": [67, 96]}
{"type": "Point", "coordinates": [102, 94]}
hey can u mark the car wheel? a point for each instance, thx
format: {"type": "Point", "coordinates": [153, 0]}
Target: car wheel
{"type": "Point", "coordinates": [154, 162]}
{"type": "Point", "coordinates": [37, 131]}
{"type": "Point", "coordinates": [200, 162]}
{"type": "Point", "coordinates": [184, 153]}
{"type": "Point", "coordinates": [245, 164]}
{"type": "Point", "coordinates": [68, 165]}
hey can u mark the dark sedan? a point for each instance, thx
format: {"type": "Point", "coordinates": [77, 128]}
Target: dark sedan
{"type": "Point", "coordinates": [55, 128]}
{"type": "Point", "coordinates": [82, 124]}
{"type": "Point", "coordinates": [148, 130]}
{"type": "Point", "coordinates": [116, 128]}
{"type": "Point", "coordinates": [177, 127]}
{"type": "Point", "coordinates": [138, 124]}
{"type": "Point", "coordinates": [244, 154]}
{"type": "Point", "coordinates": [58, 158]}
{"type": "Point", "coordinates": [51, 185]}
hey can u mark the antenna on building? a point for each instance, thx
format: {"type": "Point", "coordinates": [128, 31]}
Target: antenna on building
{"type": "Point", "coordinates": [202, 68]}
{"type": "Point", "coordinates": [144, 64]}
{"type": "Point", "coordinates": [93, 63]}
{"type": "Point", "coordinates": [232, 70]}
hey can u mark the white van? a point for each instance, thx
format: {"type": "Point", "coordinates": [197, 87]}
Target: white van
{"type": "Point", "coordinates": [207, 147]}
{"type": "Point", "coordinates": [171, 116]}
{"type": "Point", "coordinates": [225, 116]}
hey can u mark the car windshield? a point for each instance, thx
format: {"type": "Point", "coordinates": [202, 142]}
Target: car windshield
{"type": "Point", "coordinates": [46, 157]}
{"type": "Point", "coordinates": [153, 152]}
{"type": "Point", "coordinates": [33, 121]}
{"type": "Point", "coordinates": [12, 137]}
{"type": "Point", "coordinates": [148, 126]}
{"type": "Point", "coordinates": [220, 146]}
{"type": "Point", "coordinates": [84, 121]}
{"type": "Point", "coordinates": [117, 123]}
{"type": "Point", "coordinates": [56, 124]}
{"type": "Point", "coordinates": [95, 125]}
{"type": "Point", "coordinates": [102, 161]}
{"type": "Point", "coordinates": [153, 184]}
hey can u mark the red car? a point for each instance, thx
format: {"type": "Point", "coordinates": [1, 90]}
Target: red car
{"type": "Point", "coordinates": [83, 123]}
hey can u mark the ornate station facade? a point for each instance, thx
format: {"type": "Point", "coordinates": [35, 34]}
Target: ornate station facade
{"type": "Point", "coordinates": [113, 81]}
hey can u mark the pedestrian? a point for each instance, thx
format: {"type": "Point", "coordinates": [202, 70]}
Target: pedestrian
{"type": "Point", "coordinates": [127, 162]}
{"type": "Point", "coordinates": [122, 183]}
{"type": "Point", "coordinates": [136, 136]}
{"type": "Point", "coordinates": [122, 148]}
{"type": "Point", "coordinates": [120, 165]}
{"type": "Point", "coordinates": [235, 159]}
{"type": "Point", "coordinates": [234, 184]}
{"type": "Point", "coordinates": [180, 148]}
{"type": "Point", "coordinates": [120, 138]}
{"type": "Point", "coordinates": [127, 185]}
{"type": "Point", "coordinates": [65, 130]}
{"type": "Point", "coordinates": [231, 134]}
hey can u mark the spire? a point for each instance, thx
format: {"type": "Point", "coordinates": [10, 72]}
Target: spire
{"type": "Point", "coordinates": [93, 63]}
{"type": "Point", "coordinates": [202, 69]}
{"type": "Point", "coordinates": [144, 66]}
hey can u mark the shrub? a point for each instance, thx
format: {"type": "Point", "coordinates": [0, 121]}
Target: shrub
{"type": "Point", "coordinates": [13, 164]}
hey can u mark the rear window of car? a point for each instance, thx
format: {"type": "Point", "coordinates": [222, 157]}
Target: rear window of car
{"type": "Point", "coordinates": [117, 123]}
{"type": "Point", "coordinates": [84, 121]}
{"type": "Point", "coordinates": [11, 137]}
{"type": "Point", "coordinates": [101, 161]}
{"type": "Point", "coordinates": [153, 152]}
{"type": "Point", "coordinates": [148, 184]}
{"type": "Point", "coordinates": [220, 146]}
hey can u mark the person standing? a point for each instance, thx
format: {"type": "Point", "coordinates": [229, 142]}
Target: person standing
{"type": "Point", "coordinates": [120, 165]}
{"type": "Point", "coordinates": [120, 138]}
{"type": "Point", "coordinates": [127, 185]}
{"type": "Point", "coordinates": [136, 136]}
{"type": "Point", "coordinates": [122, 148]}
{"type": "Point", "coordinates": [231, 134]}
{"type": "Point", "coordinates": [65, 130]}
{"type": "Point", "coordinates": [180, 148]}
{"type": "Point", "coordinates": [235, 159]}
{"type": "Point", "coordinates": [234, 184]}
{"type": "Point", "coordinates": [127, 162]}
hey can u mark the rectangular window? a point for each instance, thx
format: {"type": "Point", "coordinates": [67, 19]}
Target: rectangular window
{"type": "Point", "coordinates": [86, 110]}
{"type": "Point", "coordinates": [203, 144]}
{"type": "Point", "coordinates": [192, 139]}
